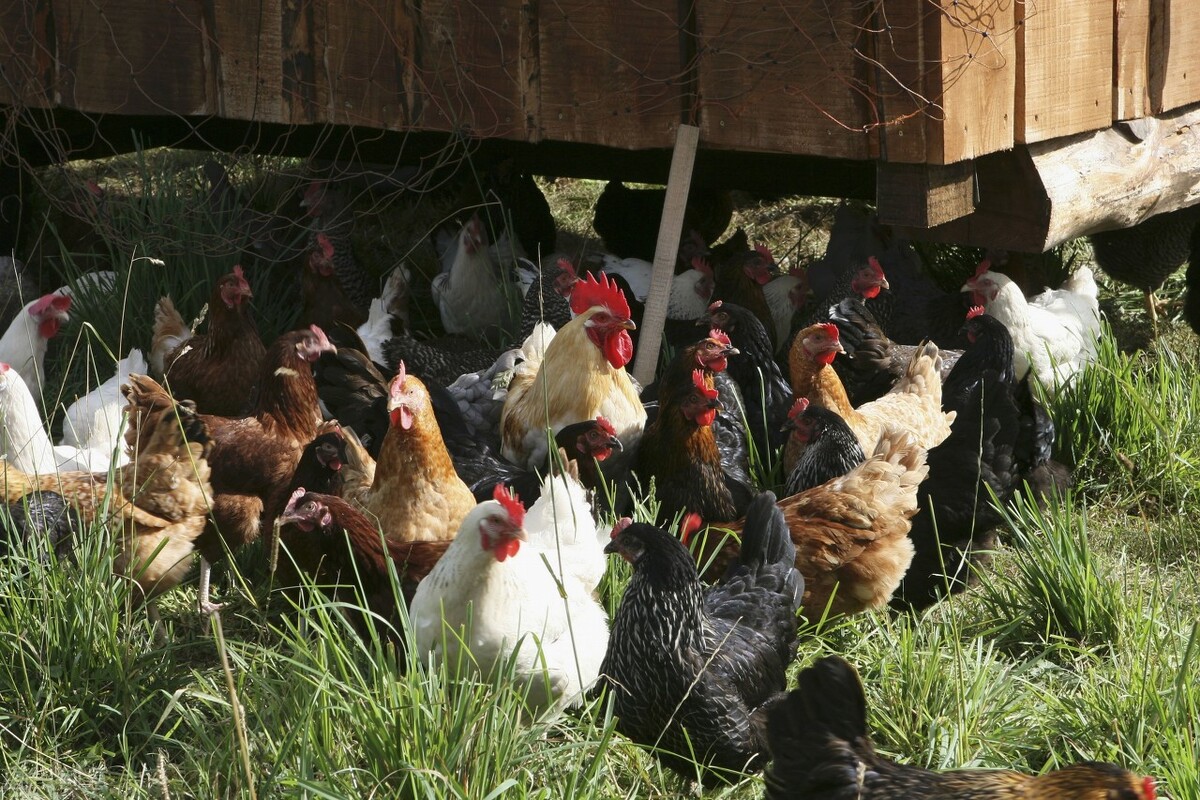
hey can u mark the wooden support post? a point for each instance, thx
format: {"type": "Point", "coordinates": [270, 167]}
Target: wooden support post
{"type": "Point", "coordinates": [687, 137]}
{"type": "Point", "coordinates": [924, 195]}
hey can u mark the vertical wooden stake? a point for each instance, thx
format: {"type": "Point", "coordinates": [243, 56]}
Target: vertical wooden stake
{"type": "Point", "coordinates": [687, 137]}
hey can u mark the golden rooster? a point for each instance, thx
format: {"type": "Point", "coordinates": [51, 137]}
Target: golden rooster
{"type": "Point", "coordinates": [579, 375]}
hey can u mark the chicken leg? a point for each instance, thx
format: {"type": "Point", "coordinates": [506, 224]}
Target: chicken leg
{"type": "Point", "coordinates": [207, 607]}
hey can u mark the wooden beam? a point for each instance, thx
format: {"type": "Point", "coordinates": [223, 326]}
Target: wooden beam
{"type": "Point", "coordinates": [1064, 68]}
{"type": "Point", "coordinates": [1174, 54]}
{"type": "Point", "coordinates": [1041, 195]}
{"type": "Point", "coordinates": [924, 195]}
{"type": "Point", "coordinates": [654, 317]}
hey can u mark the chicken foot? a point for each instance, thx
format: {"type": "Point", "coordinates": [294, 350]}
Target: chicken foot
{"type": "Point", "coordinates": [207, 607]}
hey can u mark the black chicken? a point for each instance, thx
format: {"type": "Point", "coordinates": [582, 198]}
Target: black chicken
{"type": "Point", "coordinates": [43, 519]}
{"type": "Point", "coordinates": [1145, 255]}
{"type": "Point", "coordinates": [628, 219]}
{"type": "Point", "coordinates": [872, 362]}
{"type": "Point", "coordinates": [766, 394]}
{"type": "Point", "coordinates": [954, 535]}
{"type": "Point", "coordinates": [820, 750]}
{"type": "Point", "coordinates": [693, 670]}
{"type": "Point", "coordinates": [828, 448]}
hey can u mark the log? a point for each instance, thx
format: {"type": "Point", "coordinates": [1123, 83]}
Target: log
{"type": "Point", "coordinates": [1037, 196]}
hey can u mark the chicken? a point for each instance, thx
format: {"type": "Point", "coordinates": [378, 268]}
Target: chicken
{"type": "Point", "coordinates": [335, 545]}
{"type": "Point", "coordinates": [628, 219]}
{"type": "Point", "coordinates": [786, 295]}
{"type": "Point", "coordinates": [679, 453]}
{"type": "Point", "coordinates": [1148, 253]}
{"type": "Point", "coordinates": [253, 458]}
{"type": "Point", "coordinates": [953, 536]}
{"type": "Point", "coordinates": [328, 212]}
{"type": "Point", "coordinates": [45, 522]}
{"type": "Point", "coordinates": [851, 534]}
{"type": "Point", "coordinates": [415, 495]}
{"type": "Point", "coordinates": [96, 420]}
{"type": "Point", "coordinates": [392, 304]}
{"type": "Point", "coordinates": [821, 750]}
{"type": "Point", "coordinates": [325, 303]}
{"type": "Point", "coordinates": [24, 441]}
{"type": "Point", "coordinates": [518, 588]}
{"type": "Point", "coordinates": [694, 669]}
{"type": "Point", "coordinates": [914, 403]}
{"type": "Point", "coordinates": [525, 206]}
{"type": "Point", "coordinates": [873, 362]}
{"type": "Point", "coordinates": [354, 392]}
{"type": "Point", "coordinates": [990, 350]}
{"type": "Point", "coordinates": [170, 331]}
{"type": "Point", "coordinates": [472, 296]}
{"type": "Point", "coordinates": [740, 273]}
{"type": "Point", "coordinates": [866, 283]}
{"type": "Point", "coordinates": [580, 375]}
{"type": "Point", "coordinates": [157, 504]}
{"type": "Point", "coordinates": [689, 293]}
{"type": "Point", "coordinates": [1054, 334]}
{"type": "Point", "coordinates": [1191, 302]}
{"type": "Point", "coordinates": [765, 392]}
{"type": "Point", "coordinates": [23, 346]}
{"type": "Point", "coordinates": [320, 466]}
{"type": "Point", "coordinates": [821, 447]}
{"type": "Point", "coordinates": [217, 369]}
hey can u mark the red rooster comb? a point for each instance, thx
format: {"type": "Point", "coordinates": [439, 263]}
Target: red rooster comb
{"type": "Point", "coordinates": [54, 300]}
{"type": "Point", "coordinates": [603, 292]}
{"type": "Point", "coordinates": [798, 407]}
{"type": "Point", "coordinates": [690, 523]}
{"type": "Point", "coordinates": [764, 251]}
{"type": "Point", "coordinates": [622, 524]}
{"type": "Point", "coordinates": [700, 264]}
{"type": "Point", "coordinates": [831, 329]}
{"type": "Point", "coordinates": [237, 270]}
{"type": "Point", "coordinates": [508, 499]}
{"type": "Point", "coordinates": [398, 382]}
{"type": "Point", "coordinates": [720, 336]}
{"type": "Point", "coordinates": [325, 245]}
{"type": "Point", "coordinates": [984, 266]}
{"type": "Point", "coordinates": [1149, 787]}
{"type": "Point", "coordinates": [295, 498]}
{"type": "Point", "coordinates": [875, 265]}
{"type": "Point", "coordinates": [699, 383]}
{"type": "Point", "coordinates": [322, 340]}
{"type": "Point", "coordinates": [606, 426]}
{"type": "Point", "coordinates": [566, 266]}
{"type": "Point", "coordinates": [714, 306]}
{"type": "Point", "coordinates": [976, 311]}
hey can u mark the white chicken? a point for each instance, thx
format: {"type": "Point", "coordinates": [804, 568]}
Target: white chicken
{"type": "Point", "coordinates": [96, 421]}
{"type": "Point", "coordinates": [23, 346]}
{"type": "Point", "coordinates": [691, 290]}
{"type": "Point", "coordinates": [26, 445]}
{"type": "Point", "coordinates": [471, 294]}
{"type": "Point", "coordinates": [524, 582]}
{"type": "Point", "coordinates": [1054, 333]}
{"type": "Point", "coordinates": [786, 295]}
{"type": "Point", "coordinates": [392, 302]}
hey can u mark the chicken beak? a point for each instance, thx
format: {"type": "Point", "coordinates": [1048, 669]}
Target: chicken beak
{"type": "Point", "coordinates": [521, 535]}
{"type": "Point", "coordinates": [628, 325]}
{"type": "Point", "coordinates": [615, 444]}
{"type": "Point", "coordinates": [613, 548]}
{"type": "Point", "coordinates": [883, 284]}
{"type": "Point", "coordinates": [730, 351]}
{"type": "Point", "coordinates": [840, 349]}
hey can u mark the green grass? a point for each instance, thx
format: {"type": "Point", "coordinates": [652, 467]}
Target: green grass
{"type": "Point", "coordinates": [1081, 641]}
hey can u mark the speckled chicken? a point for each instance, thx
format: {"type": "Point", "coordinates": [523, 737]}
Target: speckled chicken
{"type": "Point", "coordinates": [821, 750]}
{"type": "Point", "coordinates": [693, 669]}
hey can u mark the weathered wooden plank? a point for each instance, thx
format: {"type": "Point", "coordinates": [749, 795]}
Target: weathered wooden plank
{"type": "Point", "coordinates": [924, 195]}
{"type": "Point", "coordinates": [27, 47]}
{"type": "Point", "coordinates": [786, 76]}
{"type": "Point", "coordinates": [1064, 58]}
{"type": "Point", "coordinates": [246, 40]}
{"type": "Point", "coordinates": [978, 78]}
{"type": "Point", "coordinates": [109, 64]}
{"type": "Point", "coordinates": [368, 48]}
{"type": "Point", "coordinates": [899, 109]}
{"type": "Point", "coordinates": [610, 73]}
{"type": "Point", "coordinates": [1039, 195]}
{"type": "Point", "coordinates": [1174, 54]}
{"type": "Point", "coordinates": [1131, 61]}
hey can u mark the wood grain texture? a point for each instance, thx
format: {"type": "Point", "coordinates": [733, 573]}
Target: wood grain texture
{"type": "Point", "coordinates": [1131, 59]}
{"type": "Point", "coordinates": [777, 75]}
{"type": "Point", "coordinates": [1174, 54]}
{"type": "Point", "coordinates": [1064, 57]}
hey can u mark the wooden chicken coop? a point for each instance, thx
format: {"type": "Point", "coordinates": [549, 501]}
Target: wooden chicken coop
{"type": "Point", "coordinates": [1014, 123]}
